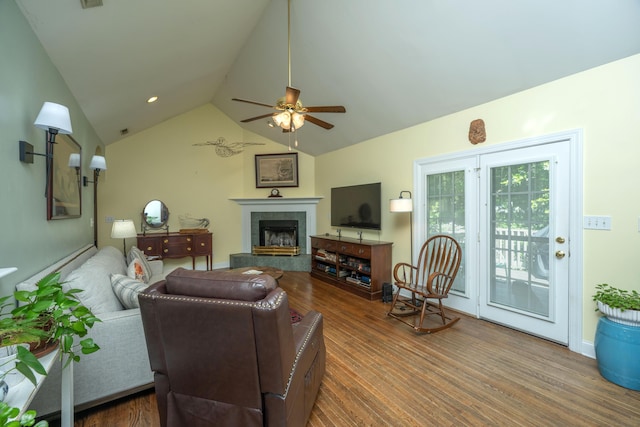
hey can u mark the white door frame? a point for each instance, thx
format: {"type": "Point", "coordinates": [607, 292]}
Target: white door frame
{"type": "Point", "coordinates": [575, 206]}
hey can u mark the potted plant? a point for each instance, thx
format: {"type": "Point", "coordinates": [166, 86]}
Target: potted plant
{"type": "Point", "coordinates": [47, 314]}
{"type": "Point", "coordinates": [617, 340]}
{"type": "Point", "coordinates": [8, 415]}
{"type": "Point", "coordinates": [619, 305]}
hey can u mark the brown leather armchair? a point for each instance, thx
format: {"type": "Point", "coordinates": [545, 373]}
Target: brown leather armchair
{"type": "Point", "coordinates": [224, 352]}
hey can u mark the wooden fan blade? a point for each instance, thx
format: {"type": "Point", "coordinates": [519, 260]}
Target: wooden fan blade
{"type": "Point", "coordinates": [292, 95]}
{"type": "Point", "coordinates": [252, 102]}
{"type": "Point", "coordinates": [327, 109]}
{"type": "Point", "coordinates": [318, 122]}
{"type": "Point", "coordinates": [256, 118]}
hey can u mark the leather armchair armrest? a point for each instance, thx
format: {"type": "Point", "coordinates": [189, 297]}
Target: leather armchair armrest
{"type": "Point", "coordinates": [307, 326]}
{"type": "Point", "coordinates": [293, 408]}
{"type": "Point", "coordinates": [309, 342]}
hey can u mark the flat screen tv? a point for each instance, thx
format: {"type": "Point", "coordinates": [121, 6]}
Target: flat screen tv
{"type": "Point", "coordinates": [357, 206]}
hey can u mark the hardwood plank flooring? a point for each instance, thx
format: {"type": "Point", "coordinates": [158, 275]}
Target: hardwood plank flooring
{"type": "Point", "coordinates": [380, 373]}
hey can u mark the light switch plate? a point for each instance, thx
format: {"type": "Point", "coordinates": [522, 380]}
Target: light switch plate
{"type": "Point", "coordinates": [597, 222]}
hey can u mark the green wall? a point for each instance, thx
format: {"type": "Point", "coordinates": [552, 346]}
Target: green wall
{"type": "Point", "coordinates": [27, 79]}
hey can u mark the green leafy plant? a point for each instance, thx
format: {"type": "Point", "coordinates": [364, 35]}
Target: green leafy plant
{"type": "Point", "coordinates": [8, 415]}
{"type": "Point", "coordinates": [47, 314]}
{"type": "Point", "coordinates": [617, 298]}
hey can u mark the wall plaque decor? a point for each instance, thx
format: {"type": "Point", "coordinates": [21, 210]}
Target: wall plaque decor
{"type": "Point", "coordinates": [477, 133]}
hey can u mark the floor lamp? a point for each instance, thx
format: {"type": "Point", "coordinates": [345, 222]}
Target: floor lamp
{"type": "Point", "coordinates": [123, 229]}
{"type": "Point", "coordinates": [402, 204]}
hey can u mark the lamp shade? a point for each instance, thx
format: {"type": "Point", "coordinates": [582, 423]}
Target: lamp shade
{"type": "Point", "coordinates": [54, 116]}
{"type": "Point", "coordinates": [401, 205]}
{"type": "Point", "coordinates": [74, 160]}
{"type": "Point", "coordinates": [123, 229]}
{"type": "Point", "coordinates": [98, 162]}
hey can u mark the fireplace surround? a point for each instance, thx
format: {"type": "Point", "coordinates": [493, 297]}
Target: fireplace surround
{"type": "Point", "coordinates": [253, 210]}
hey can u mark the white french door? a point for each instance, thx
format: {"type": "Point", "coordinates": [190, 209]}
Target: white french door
{"type": "Point", "coordinates": [510, 211]}
{"type": "Point", "coordinates": [450, 191]}
{"type": "Point", "coordinates": [524, 238]}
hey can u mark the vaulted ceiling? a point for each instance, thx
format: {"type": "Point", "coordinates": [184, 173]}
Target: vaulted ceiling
{"type": "Point", "coordinates": [391, 63]}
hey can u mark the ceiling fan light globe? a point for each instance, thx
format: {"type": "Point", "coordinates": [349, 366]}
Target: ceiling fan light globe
{"type": "Point", "coordinates": [282, 119]}
{"type": "Point", "coordinates": [298, 120]}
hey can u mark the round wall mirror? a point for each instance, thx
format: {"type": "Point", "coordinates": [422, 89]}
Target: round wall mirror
{"type": "Point", "coordinates": [155, 215]}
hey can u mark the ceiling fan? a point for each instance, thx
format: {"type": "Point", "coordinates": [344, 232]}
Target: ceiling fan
{"type": "Point", "coordinates": [291, 114]}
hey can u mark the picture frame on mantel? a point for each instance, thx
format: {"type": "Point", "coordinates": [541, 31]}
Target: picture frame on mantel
{"type": "Point", "coordinates": [276, 170]}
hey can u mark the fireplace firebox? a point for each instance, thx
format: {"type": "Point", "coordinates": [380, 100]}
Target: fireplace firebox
{"type": "Point", "coordinates": [277, 237]}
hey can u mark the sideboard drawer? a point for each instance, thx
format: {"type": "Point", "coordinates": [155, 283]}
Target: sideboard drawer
{"type": "Point", "coordinates": [202, 244]}
{"type": "Point", "coordinates": [176, 246]}
{"type": "Point", "coordinates": [151, 246]}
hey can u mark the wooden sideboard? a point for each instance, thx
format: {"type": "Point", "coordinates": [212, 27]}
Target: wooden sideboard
{"type": "Point", "coordinates": [178, 245]}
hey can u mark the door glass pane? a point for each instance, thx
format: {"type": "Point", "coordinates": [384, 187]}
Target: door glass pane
{"type": "Point", "coordinates": [445, 214]}
{"type": "Point", "coordinates": [520, 237]}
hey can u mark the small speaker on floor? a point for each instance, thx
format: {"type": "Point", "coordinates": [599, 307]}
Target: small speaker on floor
{"type": "Point", "coordinates": [387, 292]}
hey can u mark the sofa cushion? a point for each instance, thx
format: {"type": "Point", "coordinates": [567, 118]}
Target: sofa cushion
{"type": "Point", "coordinates": [127, 289]}
{"type": "Point", "coordinates": [219, 284]}
{"type": "Point", "coordinates": [93, 278]}
{"type": "Point", "coordinates": [137, 270]}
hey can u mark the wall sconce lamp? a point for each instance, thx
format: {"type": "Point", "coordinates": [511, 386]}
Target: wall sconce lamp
{"type": "Point", "coordinates": [404, 205]}
{"type": "Point", "coordinates": [123, 229]}
{"type": "Point", "coordinates": [55, 119]}
{"type": "Point", "coordinates": [74, 162]}
{"type": "Point", "coordinates": [98, 163]}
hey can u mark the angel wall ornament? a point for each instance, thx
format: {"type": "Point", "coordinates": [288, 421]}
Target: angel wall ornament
{"type": "Point", "coordinates": [228, 149]}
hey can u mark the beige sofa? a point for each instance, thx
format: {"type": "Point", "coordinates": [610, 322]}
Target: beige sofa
{"type": "Point", "coordinates": [121, 366]}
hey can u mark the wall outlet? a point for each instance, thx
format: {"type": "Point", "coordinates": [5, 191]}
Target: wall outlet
{"type": "Point", "coordinates": [597, 222]}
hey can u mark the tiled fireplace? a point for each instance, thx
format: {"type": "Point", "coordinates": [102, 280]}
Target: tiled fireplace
{"type": "Point", "coordinates": [282, 211]}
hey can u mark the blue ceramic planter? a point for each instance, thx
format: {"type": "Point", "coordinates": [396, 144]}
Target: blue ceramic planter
{"type": "Point", "coordinates": [618, 353]}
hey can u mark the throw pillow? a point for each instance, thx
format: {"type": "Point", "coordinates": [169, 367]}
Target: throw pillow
{"type": "Point", "coordinates": [136, 253]}
{"type": "Point", "coordinates": [138, 271]}
{"type": "Point", "coordinates": [127, 289]}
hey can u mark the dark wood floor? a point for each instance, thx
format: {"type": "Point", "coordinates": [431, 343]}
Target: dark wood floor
{"type": "Point", "coordinates": [380, 373]}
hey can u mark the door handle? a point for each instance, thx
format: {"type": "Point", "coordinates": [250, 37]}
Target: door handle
{"type": "Point", "coordinates": [560, 254]}
{"type": "Point", "coordinates": [560, 239]}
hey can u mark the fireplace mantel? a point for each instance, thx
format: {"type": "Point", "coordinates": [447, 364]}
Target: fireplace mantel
{"type": "Point", "coordinates": [277, 204]}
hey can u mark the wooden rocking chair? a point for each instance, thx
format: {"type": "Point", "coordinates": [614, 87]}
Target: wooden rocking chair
{"type": "Point", "coordinates": [431, 279]}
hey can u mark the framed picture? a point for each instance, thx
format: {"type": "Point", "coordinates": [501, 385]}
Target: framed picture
{"type": "Point", "coordinates": [276, 170]}
{"type": "Point", "coordinates": [63, 195]}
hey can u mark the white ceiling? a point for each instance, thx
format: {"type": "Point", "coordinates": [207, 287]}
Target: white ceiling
{"type": "Point", "coordinates": [391, 63]}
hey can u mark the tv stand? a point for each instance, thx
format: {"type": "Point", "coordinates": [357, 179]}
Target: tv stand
{"type": "Point", "coordinates": [355, 265]}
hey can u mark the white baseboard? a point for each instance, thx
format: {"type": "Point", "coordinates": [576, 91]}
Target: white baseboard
{"type": "Point", "coordinates": [588, 349]}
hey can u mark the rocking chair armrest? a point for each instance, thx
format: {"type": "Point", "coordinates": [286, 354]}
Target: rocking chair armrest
{"type": "Point", "coordinates": [430, 283]}
{"type": "Point", "coordinates": [404, 266]}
